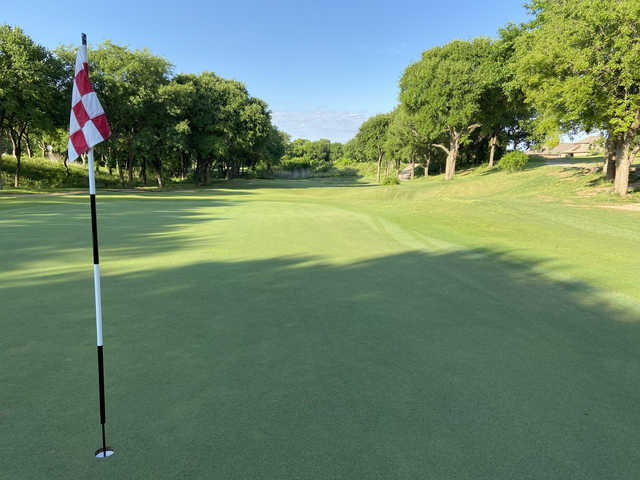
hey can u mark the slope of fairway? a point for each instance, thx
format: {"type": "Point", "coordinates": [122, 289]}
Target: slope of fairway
{"type": "Point", "coordinates": [485, 328]}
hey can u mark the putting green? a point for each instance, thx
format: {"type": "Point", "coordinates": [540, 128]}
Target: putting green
{"type": "Point", "coordinates": [318, 329]}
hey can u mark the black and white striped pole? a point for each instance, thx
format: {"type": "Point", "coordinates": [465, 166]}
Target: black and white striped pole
{"type": "Point", "coordinates": [104, 451]}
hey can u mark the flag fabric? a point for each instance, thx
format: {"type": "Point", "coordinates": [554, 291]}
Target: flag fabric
{"type": "Point", "coordinates": [88, 124]}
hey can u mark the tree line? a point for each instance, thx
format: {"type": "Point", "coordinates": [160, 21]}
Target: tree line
{"type": "Point", "coordinates": [162, 124]}
{"type": "Point", "coordinates": [574, 67]}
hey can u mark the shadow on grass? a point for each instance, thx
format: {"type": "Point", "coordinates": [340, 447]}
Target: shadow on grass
{"type": "Point", "coordinates": [156, 219]}
{"type": "Point", "coordinates": [463, 365]}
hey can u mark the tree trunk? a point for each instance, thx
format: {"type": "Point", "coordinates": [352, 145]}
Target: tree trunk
{"type": "Point", "coordinates": [13, 145]}
{"type": "Point", "coordinates": [609, 168]}
{"type": "Point", "coordinates": [624, 156]}
{"type": "Point", "coordinates": [492, 153]}
{"type": "Point", "coordinates": [196, 174]}
{"type": "Point", "coordinates": [380, 155]}
{"type": "Point", "coordinates": [28, 145]}
{"type": "Point", "coordinates": [130, 162]}
{"type": "Point", "coordinates": [426, 168]}
{"type": "Point", "coordinates": [623, 162]}
{"type": "Point", "coordinates": [207, 171]}
{"type": "Point", "coordinates": [413, 167]}
{"type": "Point", "coordinates": [156, 166]}
{"type": "Point", "coordinates": [16, 178]}
{"type": "Point", "coordinates": [143, 170]}
{"type": "Point", "coordinates": [120, 172]}
{"type": "Point", "coordinates": [16, 140]}
{"type": "Point", "coordinates": [182, 161]}
{"type": "Point", "coordinates": [454, 146]}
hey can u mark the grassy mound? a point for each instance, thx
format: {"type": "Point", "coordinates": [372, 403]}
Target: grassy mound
{"type": "Point", "coordinates": [43, 174]}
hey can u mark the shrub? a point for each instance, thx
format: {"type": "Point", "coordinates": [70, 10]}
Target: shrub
{"type": "Point", "coordinates": [513, 161]}
{"type": "Point", "coordinates": [418, 171]}
{"type": "Point", "coordinates": [296, 163]}
{"type": "Point", "coordinates": [347, 167]}
{"type": "Point", "coordinates": [390, 180]}
{"type": "Point", "coordinates": [323, 167]}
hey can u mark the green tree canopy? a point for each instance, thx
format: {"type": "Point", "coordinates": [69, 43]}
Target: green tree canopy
{"type": "Point", "coordinates": [443, 92]}
{"type": "Point", "coordinates": [372, 136]}
{"type": "Point", "coordinates": [31, 88]}
{"type": "Point", "coordinates": [579, 66]}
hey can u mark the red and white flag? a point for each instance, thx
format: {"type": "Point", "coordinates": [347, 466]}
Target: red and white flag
{"type": "Point", "coordinates": [88, 124]}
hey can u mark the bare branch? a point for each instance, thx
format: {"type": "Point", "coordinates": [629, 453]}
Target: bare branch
{"type": "Point", "coordinates": [471, 128]}
{"type": "Point", "coordinates": [445, 149]}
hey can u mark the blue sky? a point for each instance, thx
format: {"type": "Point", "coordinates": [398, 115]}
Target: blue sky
{"type": "Point", "coordinates": [323, 67]}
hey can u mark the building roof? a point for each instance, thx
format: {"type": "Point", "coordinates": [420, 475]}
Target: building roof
{"type": "Point", "coordinates": [589, 140]}
{"type": "Point", "coordinates": [583, 146]}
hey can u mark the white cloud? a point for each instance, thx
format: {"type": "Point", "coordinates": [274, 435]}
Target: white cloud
{"type": "Point", "coordinates": [336, 126]}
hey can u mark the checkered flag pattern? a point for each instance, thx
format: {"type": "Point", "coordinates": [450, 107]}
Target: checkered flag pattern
{"type": "Point", "coordinates": [88, 124]}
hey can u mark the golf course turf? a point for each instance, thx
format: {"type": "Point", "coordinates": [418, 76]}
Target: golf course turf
{"type": "Point", "coordinates": [485, 328]}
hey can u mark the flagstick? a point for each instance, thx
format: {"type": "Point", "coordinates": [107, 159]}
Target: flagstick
{"type": "Point", "coordinates": [104, 452]}
{"type": "Point", "coordinates": [79, 143]}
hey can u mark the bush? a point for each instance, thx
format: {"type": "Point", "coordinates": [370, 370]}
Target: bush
{"type": "Point", "coordinates": [296, 163]}
{"type": "Point", "coordinates": [513, 161]}
{"type": "Point", "coordinates": [390, 180]}
{"type": "Point", "coordinates": [323, 167]}
{"type": "Point", "coordinates": [345, 167]}
{"type": "Point", "coordinates": [418, 171]}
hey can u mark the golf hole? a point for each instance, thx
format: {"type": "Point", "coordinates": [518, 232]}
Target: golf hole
{"type": "Point", "coordinates": [100, 453]}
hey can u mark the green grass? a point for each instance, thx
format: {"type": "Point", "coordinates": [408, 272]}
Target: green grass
{"type": "Point", "coordinates": [485, 328]}
{"type": "Point", "coordinates": [40, 174]}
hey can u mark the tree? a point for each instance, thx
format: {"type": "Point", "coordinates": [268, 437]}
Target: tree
{"type": "Point", "coordinates": [318, 151]}
{"type": "Point", "coordinates": [579, 65]}
{"type": "Point", "coordinates": [505, 116]}
{"type": "Point", "coordinates": [372, 137]}
{"type": "Point", "coordinates": [31, 88]}
{"type": "Point", "coordinates": [227, 127]}
{"type": "Point", "coordinates": [443, 92]}
{"type": "Point", "coordinates": [273, 149]}
{"type": "Point", "coordinates": [128, 84]}
{"type": "Point", "coordinates": [335, 151]}
{"type": "Point", "coordinates": [176, 98]}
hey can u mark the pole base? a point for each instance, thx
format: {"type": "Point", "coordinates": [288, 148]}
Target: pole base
{"type": "Point", "coordinates": [103, 453]}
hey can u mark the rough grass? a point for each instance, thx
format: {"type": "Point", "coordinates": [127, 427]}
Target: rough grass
{"type": "Point", "coordinates": [485, 328]}
{"type": "Point", "coordinates": [38, 174]}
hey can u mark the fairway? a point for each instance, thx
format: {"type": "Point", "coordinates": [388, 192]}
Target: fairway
{"type": "Point", "coordinates": [324, 329]}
